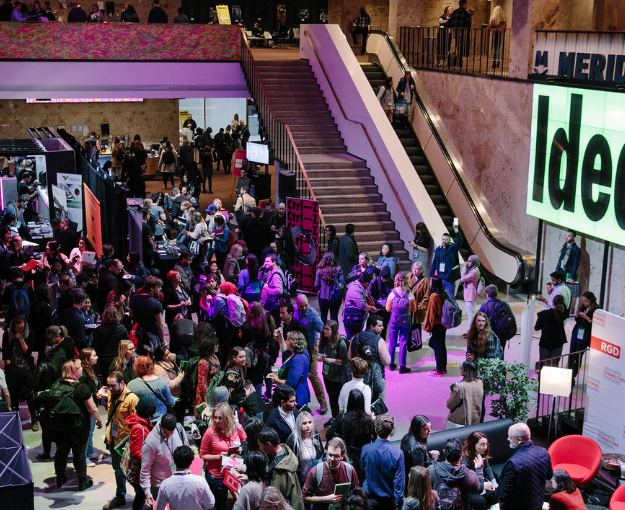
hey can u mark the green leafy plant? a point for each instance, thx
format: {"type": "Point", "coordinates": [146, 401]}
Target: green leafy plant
{"type": "Point", "coordinates": [513, 387]}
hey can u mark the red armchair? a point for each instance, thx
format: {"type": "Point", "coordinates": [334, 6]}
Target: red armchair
{"type": "Point", "coordinates": [617, 501]}
{"type": "Point", "coordinates": [580, 456]}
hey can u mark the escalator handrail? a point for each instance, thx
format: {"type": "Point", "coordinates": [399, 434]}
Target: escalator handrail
{"type": "Point", "coordinates": [403, 64]}
{"type": "Point", "coordinates": [366, 131]}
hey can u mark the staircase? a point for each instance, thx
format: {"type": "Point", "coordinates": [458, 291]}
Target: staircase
{"type": "Point", "coordinates": [342, 183]}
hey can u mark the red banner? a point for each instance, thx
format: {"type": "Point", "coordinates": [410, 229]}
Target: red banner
{"type": "Point", "coordinates": [239, 156]}
{"type": "Point", "coordinates": [302, 217]}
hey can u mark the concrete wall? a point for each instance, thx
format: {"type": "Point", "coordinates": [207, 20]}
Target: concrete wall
{"type": "Point", "coordinates": [152, 118]}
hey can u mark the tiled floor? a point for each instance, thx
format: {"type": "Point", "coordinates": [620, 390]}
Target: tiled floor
{"type": "Point", "coordinates": [407, 395]}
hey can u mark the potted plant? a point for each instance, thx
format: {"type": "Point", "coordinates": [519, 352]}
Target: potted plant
{"type": "Point", "coordinates": [512, 386]}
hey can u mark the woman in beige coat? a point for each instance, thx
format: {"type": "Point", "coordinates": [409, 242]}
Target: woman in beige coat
{"type": "Point", "coordinates": [465, 401]}
{"type": "Point", "coordinates": [419, 285]}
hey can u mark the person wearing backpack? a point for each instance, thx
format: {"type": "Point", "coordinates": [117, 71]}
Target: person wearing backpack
{"type": "Point", "coordinates": [117, 157]}
{"type": "Point", "coordinates": [401, 305]}
{"type": "Point", "coordinates": [333, 352]}
{"type": "Point", "coordinates": [18, 296]}
{"type": "Point", "coordinates": [453, 481]}
{"type": "Point", "coordinates": [167, 164]}
{"type": "Point", "coordinates": [470, 276]}
{"type": "Point", "coordinates": [71, 406]}
{"type": "Point", "coordinates": [433, 325]}
{"type": "Point", "coordinates": [318, 489]}
{"type": "Point", "coordinates": [500, 316]}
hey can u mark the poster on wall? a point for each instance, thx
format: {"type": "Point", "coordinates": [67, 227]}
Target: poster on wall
{"type": "Point", "coordinates": [605, 411]}
{"type": "Point", "coordinates": [236, 13]}
{"type": "Point", "coordinates": [223, 15]}
{"type": "Point", "coordinates": [239, 156]}
{"type": "Point", "coordinates": [281, 13]}
{"type": "Point", "coordinates": [60, 202]}
{"type": "Point", "coordinates": [93, 224]}
{"type": "Point", "coordinates": [302, 217]}
{"type": "Point", "coordinates": [323, 15]}
{"type": "Point", "coordinates": [72, 185]}
{"type": "Point", "coordinates": [303, 15]}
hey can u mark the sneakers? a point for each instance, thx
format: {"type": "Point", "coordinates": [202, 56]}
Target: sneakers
{"type": "Point", "coordinates": [393, 367]}
{"type": "Point", "coordinates": [94, 456]}
{"type": "Point", "coordinates": [83, 486]}
{"type": "Point", "coordinates": [43, 457]}
{"type": "Point", "coordinates": [435, 373]}
{"type": "Point", "coordinates": [114, 503]}
{"type": "Point", "coordinates": [89, 463]}
{"type": "Point", "coordinates": [404, 370]}
{"type": "Point", "coordinates": [324, 408]}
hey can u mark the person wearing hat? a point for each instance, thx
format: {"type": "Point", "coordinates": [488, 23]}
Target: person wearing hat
{"type": "Point", "coordinates": [356, 304]}
{"type": "Point", "coordinates": [120, 405]}
{"type": "Point", "coordinates": [76, 14]}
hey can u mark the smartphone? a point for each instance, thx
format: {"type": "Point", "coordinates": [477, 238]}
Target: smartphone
{"type": "Point", "coordinates": [455, 222]}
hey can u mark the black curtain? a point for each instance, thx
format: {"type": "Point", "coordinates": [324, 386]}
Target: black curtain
{"type": "Point", "coordinates": [113, 209]}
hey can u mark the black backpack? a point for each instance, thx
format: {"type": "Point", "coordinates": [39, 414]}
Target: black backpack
{"type": "Point", "coordinates": [190, 381]}
{"type": "Point", "coordinates": [65, 415]}
{"type": "Point", "coordinates": [503, 323]}
{"type": "Point", "coordinates": [168, 157]}
{"type": "Point", "coordinates": [120, 155]}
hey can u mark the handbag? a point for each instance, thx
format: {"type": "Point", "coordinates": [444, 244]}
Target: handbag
{"type": "Point", "coordinates": [379, 407]}
{"type": "Point", "coordinates": [352, 316]}
{"type": "Point", "coordinates": [452, 425]}
{"type": "Point", "coordinates": [130, 466]}
{"type": "Point", "coordinates": [416, 342]}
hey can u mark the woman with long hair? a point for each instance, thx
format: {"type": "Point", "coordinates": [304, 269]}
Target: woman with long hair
{"type": "Point", "coordinates": [433, 325]}
{"type": "Point", "coordinates": [421, 246]}
{"type": "Point", "coordinates": [166, 368]}
{"type": "Point", "coordinates": [387, 258]}
{"type": "Point", "coordinates": [208, 366]}
{"type": "Point", "coordinates": [470, 276]}
{"type": "Point", "coordinates": [355, 427]}
{"type": "Point", "coordinates": [566, 496]}
{"type": "Point", "coordinates": [218, 439]}
{"type": "Point", "coordinates": [257, 356]}
{"type": "Point", "coordinates": [414, 444]}
{"type": "Point", "coordinates": [482, 342]}
{"type": "Point", "coordinates": [285, 239]}
{"type": "Point", "coordinates": [272, 499]}
{"type": "Point", "coordinates": [176, 300]}
{"type": "Point", "coordinates": [248, 497]}
{"type": "Point", "coordinates": [305, 443]}
{"type": "Point", "coordinates": [231, 264]}
{"type": "Point", "coordinates": [263, 325]}
{"type": "Point", "coordinates": [119, 297]}
{"type": "Point", "coordinates": [107, 338]}
{"type": "Point", "coordinates": [497, 24]}
{"type": "Point", "coordinates": [330, 282]}
{"type": "Point", "coordinates": [419, 286]}
{"type": "Point", "coordinates": [75, 257]}
{"type": "Point", "coordinates": [401, 305]}
{"type": "Point", "coordinates": [125, 360]}
{"type": "Point", "coordinates": [77, 440]}
{"type": "Point", "coordinates": [580, 338]}
{"type": "Point", "coordinates": [42, 310]}
{"type": "Point", "coordinates": [333, 352]}
{"type": "Point", "coordinates": [550, 323]}
{"type": "Point", "coordinates": [476, 443]}
{"type": "Point", "coordinates": [88, 359]}
{"type": "Point", "coordinates": [465, 401]}
{"type": "Point", "coordinates": [295, 368]}
{"type": "Point", "coordinates": [364, 261]}
{"type": "Point", "coordinates": [419, 493]}
{"type": "Point", "coordinates": [239, 393]}
{"type": "Point", "coordinates": [249, 284]}
{"type": "Point", "coordinates": [332, 242]}
{"type": "Point", "coordinates": [147, 384]}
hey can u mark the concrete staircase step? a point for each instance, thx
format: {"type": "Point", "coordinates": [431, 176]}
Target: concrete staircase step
{"type": "Point", "coordinates": [333, 173]}
{"type": "Point", "coordinates": [317, 150]}
{"type": "Point", "coordinates": [330, 199]}
{"type": "Point", "coordinates": [347, 192]}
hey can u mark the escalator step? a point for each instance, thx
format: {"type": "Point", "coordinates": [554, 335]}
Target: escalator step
{"type": "Point", "coordinates": [408, 142]}
{"type": "Point", "coordinates": [442, 210]}
{"type": "Point", "coordinates": [423, 169]}
{"type": "Point", "coordinates": [412, 151]}
{"type": "Point", "coordinates": [428, 179]}
{"type": "Point", "coordinates": [403, 133]}
{"type": "Point", "coordinates": [418, 161]}
{"type": "Point", "coordinates": [435, 197]}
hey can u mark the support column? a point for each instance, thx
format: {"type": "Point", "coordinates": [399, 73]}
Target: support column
{"type": "Point", "coordinates": [404, 13]}
{"type": "Point", "coordinates": [520, 39]}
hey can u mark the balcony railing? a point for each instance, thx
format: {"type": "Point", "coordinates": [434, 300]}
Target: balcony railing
{"type": "Point", "coordinates": [463, 50]}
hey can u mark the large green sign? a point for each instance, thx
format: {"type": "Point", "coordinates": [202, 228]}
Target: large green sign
{"type": "Point", "coordinates": [577, 162]}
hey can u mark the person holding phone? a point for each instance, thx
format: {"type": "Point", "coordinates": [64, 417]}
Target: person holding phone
{"type": "Point", "coordinates": [446, 259]}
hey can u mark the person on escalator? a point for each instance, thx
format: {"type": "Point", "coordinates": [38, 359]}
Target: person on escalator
{"type": "Point", "coordinates": [385, 96]}
{"type": "Point", "coordinates": [445, 260]}
{"type": "Point", "coordinates": [406, 88]}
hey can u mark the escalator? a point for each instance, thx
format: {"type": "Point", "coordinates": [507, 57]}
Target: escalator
{"type": "Point", "coordinates": [469, 209]}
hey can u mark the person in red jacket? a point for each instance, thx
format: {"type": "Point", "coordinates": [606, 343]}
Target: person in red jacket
{"type": "Point", "coordinates": [433, 325]}
{"type": "Point", "coordinates": [565, 496]}
{"type": "Point", "coordinates": [141, 424]}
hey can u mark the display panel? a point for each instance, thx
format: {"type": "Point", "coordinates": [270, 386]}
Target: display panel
{"type": "Point", "coordinates": [577, 161]}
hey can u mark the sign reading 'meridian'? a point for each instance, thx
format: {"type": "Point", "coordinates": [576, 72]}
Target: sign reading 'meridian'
{"type": "Point", "coordinates": [577, 161]}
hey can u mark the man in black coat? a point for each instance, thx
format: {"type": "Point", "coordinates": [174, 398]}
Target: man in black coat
{"type": "Point", "coordinates": [107, 281]}
{"type": "Point", "coordinates": [157, 14]}
{"type": "Point", "coordinates": [67, 237]}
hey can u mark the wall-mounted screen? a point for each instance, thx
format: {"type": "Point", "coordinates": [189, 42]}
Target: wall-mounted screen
{"type": "Point", "coordinates": [577, 160]}
{"type": "Point", "coordinates": [257, 153]}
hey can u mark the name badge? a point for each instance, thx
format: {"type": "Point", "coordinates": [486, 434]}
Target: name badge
{"type": "Point", "coordinates": [580, 333]}
{"type": "Point", "coordinates": [114, 430]}
{"type": "Point", "coordinates": [326, 369]}
{"type": "Point", "coordinates": [441, 267]}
